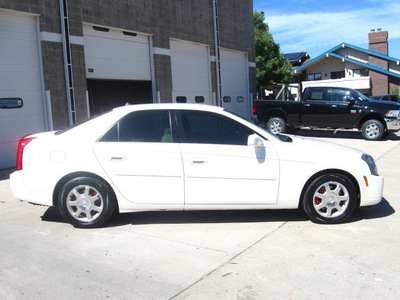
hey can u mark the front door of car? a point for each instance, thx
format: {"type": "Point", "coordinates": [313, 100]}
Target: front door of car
{"type": "Point", "coordinates": [142, 160]}
{"type": "Point", "coordinates": [220, 168]}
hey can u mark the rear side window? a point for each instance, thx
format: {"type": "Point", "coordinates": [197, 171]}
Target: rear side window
{"type": "Point", "coordinates": [316, 94]}
{"type": "Point", "coordinates": [144, 126]}
{"type": "Point", "coordinates": [210, 128]}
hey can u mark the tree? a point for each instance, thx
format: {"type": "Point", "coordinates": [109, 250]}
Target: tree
{"type": "Point", "coordinates": [271, 65]}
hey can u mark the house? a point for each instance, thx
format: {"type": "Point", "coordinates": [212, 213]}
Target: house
{"type": "Point", "coordinates": [370, 71]}
{"type": "Point", "coordinates": [70, 60]}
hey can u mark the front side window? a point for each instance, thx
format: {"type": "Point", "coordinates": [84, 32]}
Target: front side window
{"type": "Point", "coordinates": [210, 128]}
{"type": "Point", "coordinates": [141, 126]}
{"type": "Point", "coordinates": [338, 95]}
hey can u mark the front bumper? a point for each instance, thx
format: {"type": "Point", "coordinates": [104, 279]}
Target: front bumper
{"type": "Point", "coordinates": [392, 124]}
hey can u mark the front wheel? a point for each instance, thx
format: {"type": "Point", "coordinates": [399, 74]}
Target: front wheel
{"type": "Point", "coordinates": [330, 199]}
{"type": "Point", "coordinates": [86, 202]}
{"type": "Point", "coordinates": [276, 125]}
{"type": "Point", "coordinates": [372, 130]}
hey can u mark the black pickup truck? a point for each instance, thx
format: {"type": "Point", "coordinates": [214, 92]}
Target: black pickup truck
{"type": "Point", "coordinates": [330, 107]}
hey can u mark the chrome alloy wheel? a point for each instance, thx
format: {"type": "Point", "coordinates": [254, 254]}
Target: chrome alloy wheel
{"type": "Point", "coordinates": [372, 131]}
{"type": "Point", "coordinates": [331, 199]}
{"type": "Point", "coordinates": [85, 203]}
{"type": "Point", "coordinates": [275, 127]}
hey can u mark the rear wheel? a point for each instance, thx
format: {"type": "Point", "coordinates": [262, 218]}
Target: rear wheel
{"type": "Point", "coordinates": [372, 130]}
{"type": "Point", "coordinates": [330, 198]}
{"type": "Point", "coordinates": [276, 125]}
{"type": "Point", "coordinates": [86, 202]}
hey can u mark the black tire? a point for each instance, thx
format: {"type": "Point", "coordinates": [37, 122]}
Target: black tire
{"type": "Point", "coordinates": [276, 125]}
{"type": "Point", "coordinates": [373, 130]}
{"type": "Point", "coordinates": [330, 199]}
{"type": "Point", "coordinates": [86, 202]}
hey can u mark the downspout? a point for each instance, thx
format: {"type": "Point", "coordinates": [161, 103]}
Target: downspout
{"type": "Point", "coordinates": [217, 53]}
{"type": "Point", "coordinates": [69, 83]}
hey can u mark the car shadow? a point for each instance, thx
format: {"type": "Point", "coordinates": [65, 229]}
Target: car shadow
{"type": "Point", "coordinates": [383, 209]}
{"type": "Point", "coordinates": [339, 134]}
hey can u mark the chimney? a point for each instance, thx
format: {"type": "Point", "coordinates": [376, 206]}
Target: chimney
{"type": "Point", "coordinates": [378, 40]}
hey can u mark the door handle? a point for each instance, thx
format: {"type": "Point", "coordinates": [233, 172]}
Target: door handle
{"type": "Point", "coordinates": [333, 105]}
{"type": "Point", "coordinates": [307, 105]}
{"type": "Point", "coordinates": [117, 158]}
{"type": "Point", "coordinates": [198, 162]}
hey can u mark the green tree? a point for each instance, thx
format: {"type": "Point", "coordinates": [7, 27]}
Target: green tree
{"type": "Point", "coordinates": [271, 65]}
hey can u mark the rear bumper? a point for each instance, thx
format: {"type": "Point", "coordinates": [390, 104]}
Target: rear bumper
{"type": "Point", "coordinates": [392, 124]}
{"type": "Point", "coordinates": [22, 192]}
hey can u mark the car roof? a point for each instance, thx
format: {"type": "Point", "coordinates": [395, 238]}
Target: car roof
{"type": "Point", "coordinates": [169, 106]}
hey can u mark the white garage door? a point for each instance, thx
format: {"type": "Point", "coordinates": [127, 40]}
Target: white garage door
{"type": "Point", "coordinates": [190, 73]}
{"type": "Point", "coordinates": [20, 77]}
{"type": "Point", "coordinates": [116, 54]}
{"type": "Point", "coordinates": [235, 82]}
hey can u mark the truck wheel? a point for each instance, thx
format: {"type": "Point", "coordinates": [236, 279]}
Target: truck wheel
{"type": "Point", "coordinates": [276, 125]}
{"type": "Point", "coordinates": [372, 130]}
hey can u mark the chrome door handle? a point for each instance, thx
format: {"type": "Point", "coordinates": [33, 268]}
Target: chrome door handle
{"type": "Point", "coordinates": [198, 162]}
{"type": "Point", "coordinates": [307, 105]}
{"type": "Point", "coordinates": [119, 158]}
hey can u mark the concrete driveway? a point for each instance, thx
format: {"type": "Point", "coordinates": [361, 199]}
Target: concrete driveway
{"type": "Point", "coordinates": [207, 255]}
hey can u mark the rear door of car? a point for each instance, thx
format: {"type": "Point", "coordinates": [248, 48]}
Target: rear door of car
{"type": "Point", "coordinates": [141, 157]}
{"type": "Point", "coordinates": [220, 168]}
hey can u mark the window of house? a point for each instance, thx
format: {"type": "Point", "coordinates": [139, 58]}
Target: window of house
{"type": "Point", "coordinates": [210, 128]}
{"type": "Point", "coordinates": [361, 72]}
{"type": "Point", "coordinates": [142, 126]}
{"type": "Point", "coordinates": [338, 75]}
{"type": "Point", "coordinates": [314, 76]}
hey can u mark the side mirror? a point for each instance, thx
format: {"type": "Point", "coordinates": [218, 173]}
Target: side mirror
{"type": "Point", "coordinates": [255, 141]}
{"type": "Point", "coordinates": [349, 99]}
{"type": "Point", "coordinates": [11, 103]}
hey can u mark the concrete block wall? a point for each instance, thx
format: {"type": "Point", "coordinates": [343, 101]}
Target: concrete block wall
{"type": "Point", "coordinates": [189, 20]}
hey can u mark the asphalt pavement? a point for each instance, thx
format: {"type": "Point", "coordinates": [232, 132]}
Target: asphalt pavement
{"type": "Point", "coordinates": [274, 254]}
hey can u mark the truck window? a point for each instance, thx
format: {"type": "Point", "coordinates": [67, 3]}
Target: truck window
{"type": "Point", "coordinates": [338, 95]}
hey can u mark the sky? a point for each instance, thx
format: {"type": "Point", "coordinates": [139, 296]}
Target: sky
{"type": "Point", "coordinates": [316, 26]}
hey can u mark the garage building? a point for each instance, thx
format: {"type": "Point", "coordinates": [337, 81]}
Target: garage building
{"type": "Point", "coordinates": [71, 59]}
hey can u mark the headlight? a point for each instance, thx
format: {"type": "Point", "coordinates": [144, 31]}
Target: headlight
{"type": "Point", "coordinates": [393, 114]}
{"type": "Point", "coordinates": [371, 163]}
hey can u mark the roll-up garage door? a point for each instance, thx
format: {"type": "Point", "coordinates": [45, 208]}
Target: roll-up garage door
{"type": "Point", "coordinates": [190, 73]}
{"type": "Point", "coordinates": [20, 77]}
{"type": "Point", "coordinates": [118, 67]}
{"type": "Point", "coordinates": [235, 82]}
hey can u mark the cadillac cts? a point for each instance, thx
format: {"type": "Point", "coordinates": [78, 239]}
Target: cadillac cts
{"type": "Point", "coordinates": [188, 157]}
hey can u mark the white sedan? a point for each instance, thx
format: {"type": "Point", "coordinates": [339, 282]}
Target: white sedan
{"type": "Point", "coordinates": [188, 157]}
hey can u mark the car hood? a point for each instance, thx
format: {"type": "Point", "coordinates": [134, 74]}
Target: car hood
{"type": "Point", "coordinates": [382, 104]}
{"type": "Point", "coordinates": [310, 150]}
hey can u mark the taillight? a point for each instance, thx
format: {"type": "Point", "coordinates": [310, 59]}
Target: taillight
{"type": "Point", "coordinates": [254, 110]}
{"type": "Point", "coordinates": [21, 145]}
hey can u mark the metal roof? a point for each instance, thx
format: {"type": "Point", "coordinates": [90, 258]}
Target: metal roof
{"type": "Point", "coordinates": [331, 53]}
